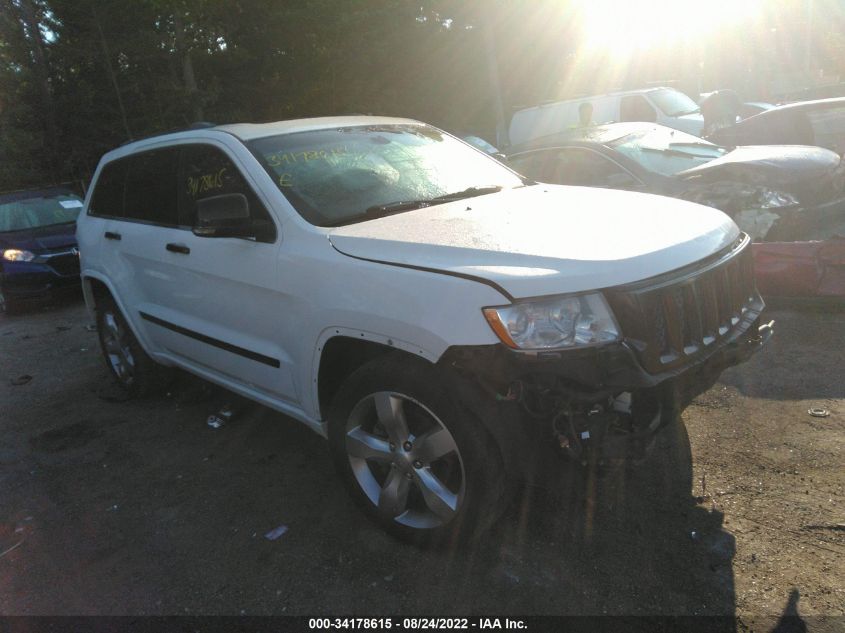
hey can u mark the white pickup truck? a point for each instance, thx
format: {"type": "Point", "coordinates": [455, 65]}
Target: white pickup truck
{"type": "Point", "coordinates": [443, 321]}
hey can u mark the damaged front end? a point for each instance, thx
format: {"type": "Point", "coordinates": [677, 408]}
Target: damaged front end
{"type": "Point", "coordinates": [679, 332]}
{"type": "Point", "coordinates": [773, 206]}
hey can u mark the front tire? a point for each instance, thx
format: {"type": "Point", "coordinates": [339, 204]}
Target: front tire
{"type": "Point", "coordinates": [417, 462]}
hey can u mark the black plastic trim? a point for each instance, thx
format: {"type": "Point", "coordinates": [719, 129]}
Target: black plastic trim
{"type": "Point", "coordinates": [234, 349]}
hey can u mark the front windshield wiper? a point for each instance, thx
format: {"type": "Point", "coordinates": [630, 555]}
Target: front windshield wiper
{"type": "Point", "coordinates": [677, 152]}
{"type": "Point", "coordinates": [380, 210]}
{"type": "Point", "coordinates": [389, 208]}
{"type": "Point", "coordinates": [469, 192]}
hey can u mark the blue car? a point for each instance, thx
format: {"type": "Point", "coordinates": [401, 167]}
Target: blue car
{"type": "Point", "coordinates": [38, 252]}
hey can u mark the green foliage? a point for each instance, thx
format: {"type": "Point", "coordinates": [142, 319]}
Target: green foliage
{"type": "Point", "coordinates": [94, 74]}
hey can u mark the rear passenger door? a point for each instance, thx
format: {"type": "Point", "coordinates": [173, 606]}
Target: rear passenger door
{"type": "Point", "coordinates": [136, 198]}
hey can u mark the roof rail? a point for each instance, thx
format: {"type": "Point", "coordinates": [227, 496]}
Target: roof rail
{"type": "Point", "coordinates": [197, 125]}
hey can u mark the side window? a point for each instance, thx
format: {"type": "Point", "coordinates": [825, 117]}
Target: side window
{"type": "Point", "coordinates": [636, 108]}
{"type": "Point", "coordinates": [205, 172]}
{"type": "Point", "coordinates": [574, 166]}
{"type": "Point", "coordinates": [151, 187]}
{"type": "Point", "coordinates": [829, 128]}
{"type": "Point", "coordinates": [107, 199]}
{"type": "Point", "coordinates": [591, 169]}
{"type": "Point", "coordinates": [793, 128]}
{"type": "Point", "coordinates": [528, 164]}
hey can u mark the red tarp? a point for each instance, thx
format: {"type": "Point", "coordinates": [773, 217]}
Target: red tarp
{"type": "Point", "coordinates": [801, 269]}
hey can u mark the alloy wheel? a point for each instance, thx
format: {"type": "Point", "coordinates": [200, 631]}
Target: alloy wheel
{"type": "Point", "coordinates": [116, 344]}
{"type": "Point", "coordinates": [405, 460]}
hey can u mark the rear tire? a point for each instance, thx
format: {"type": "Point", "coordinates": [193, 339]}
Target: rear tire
{"type": "Point", "coordinates": [130, 366]}
{"type": "Point", "coordinates": [418, 463]}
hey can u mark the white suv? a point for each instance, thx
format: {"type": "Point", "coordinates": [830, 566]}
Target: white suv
{"type": "Point", "coordinates": [445, 323]}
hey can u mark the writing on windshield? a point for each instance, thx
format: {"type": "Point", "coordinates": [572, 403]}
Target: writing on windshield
{"type": "Point", "coordinates": [335, 176]}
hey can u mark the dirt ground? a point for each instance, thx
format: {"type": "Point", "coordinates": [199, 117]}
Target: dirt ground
{"type": "Point", "coordinates": [140, 507]}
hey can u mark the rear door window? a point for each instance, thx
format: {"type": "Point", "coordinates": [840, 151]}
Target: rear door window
{"type": "Point", "coordinates": [150, 193]}
{"type": "Point", "coordinates": [206, 171]}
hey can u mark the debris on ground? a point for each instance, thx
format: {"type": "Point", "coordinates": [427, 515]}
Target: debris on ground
{"type": "Point", "coordinates": [12, 548]}
{"type": "Point", "coordinates": [215, 422]}
{"type": "Point", "coordinates": [276, 533]}
{"type": "Point", "coordinates": [818, 412]}
{"type": "Point", "coordinates": [91, 327]}
{"type": "Point", "coordinates": [223, 416]}
{"type": "Point", "coordinates": [21, 380]}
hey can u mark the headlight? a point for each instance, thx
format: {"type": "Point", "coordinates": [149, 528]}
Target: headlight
{"type": "Point", "coordinates": [554, 323]}
{"type": "Point", "coordinates": [17, 255]}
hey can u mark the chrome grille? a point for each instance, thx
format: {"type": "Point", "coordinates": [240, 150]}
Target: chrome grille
{"type": "Point", "coordinates": [672, 320]}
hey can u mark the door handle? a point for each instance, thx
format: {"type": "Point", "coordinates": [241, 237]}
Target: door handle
{"type": "Point", "coordinates": [109, 235]}
{"type": "Point", "coordinates": [178, 248]}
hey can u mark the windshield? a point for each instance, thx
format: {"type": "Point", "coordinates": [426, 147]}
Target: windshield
{"type": "Point", "coordinates": [672, 102]}
{"type": "Point", "coordinates": [33, 213]}
{"type": "Point", "coordinates": [339, 176]}
{"type": "Point", "coordinates": [666, 151]}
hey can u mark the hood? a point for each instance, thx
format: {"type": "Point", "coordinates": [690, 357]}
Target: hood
{"type": "Point", "coordinates": [777, 164]}
{"type": "Point", "coordinates": [545, 239]}
{"type": "Point", "coordinates": [42, 239]}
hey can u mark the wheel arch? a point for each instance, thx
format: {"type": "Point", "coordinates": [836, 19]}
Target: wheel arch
{"type": "Point", "coordinates": [96, 286]}
{"type": "Point", "coordinates": [341, 353]}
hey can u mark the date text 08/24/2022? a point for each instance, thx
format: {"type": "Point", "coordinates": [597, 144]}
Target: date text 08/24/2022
{"type": "Point", "coordinates": [414, 623]}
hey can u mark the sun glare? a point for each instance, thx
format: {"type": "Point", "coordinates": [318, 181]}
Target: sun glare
{"type": "Point", "coordinates": [622, 27]}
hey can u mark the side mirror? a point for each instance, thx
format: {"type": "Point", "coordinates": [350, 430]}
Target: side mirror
{"type": "Point", "coordinates": [226, 215]}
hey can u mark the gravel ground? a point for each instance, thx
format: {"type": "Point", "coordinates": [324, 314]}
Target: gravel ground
{"type": "Point", "coordinates": [140, 508]}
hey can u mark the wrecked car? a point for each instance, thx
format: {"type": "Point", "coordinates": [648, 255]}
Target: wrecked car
{"type": "Point", "coordinates": [820, 122]}
{"type": "Point", "coordinates": [445, 323]}
{"type": "Point", "coordinates": [774, 193]}
{"type": "Point", "coordinates": [38, 245]}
